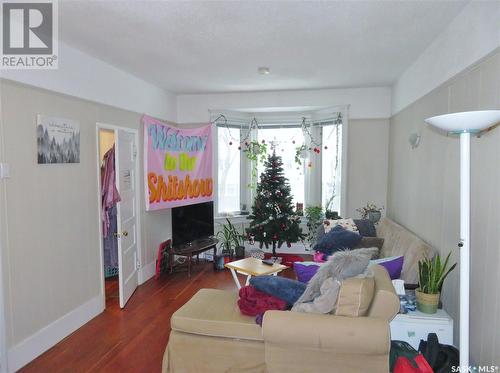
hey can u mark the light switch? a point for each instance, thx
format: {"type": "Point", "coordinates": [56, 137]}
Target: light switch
{"type": "Point", "coordinates": [4, 171]}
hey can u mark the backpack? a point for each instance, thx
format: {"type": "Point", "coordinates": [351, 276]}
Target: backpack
{"type": "Point", "coordinates": [440, 357]}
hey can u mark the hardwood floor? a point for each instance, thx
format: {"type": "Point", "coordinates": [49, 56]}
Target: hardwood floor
{"type": "Point", "coordinates": [132, 339]}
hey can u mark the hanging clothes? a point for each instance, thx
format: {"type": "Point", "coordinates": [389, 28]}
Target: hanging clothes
{"type": "Point", "coordinates": [110, 242]}
{"type": "Point", "coordinates": [109, 193]}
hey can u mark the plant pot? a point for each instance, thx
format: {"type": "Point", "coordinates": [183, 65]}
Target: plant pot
{"type": "Point", "coordinates": [239, 252]}
{"type": "Point", "coordinates": [374, 216]}
{"type": "Point", "coordinates": [427, 303]}
{"type": "Point", "coordinates": [219, 262]}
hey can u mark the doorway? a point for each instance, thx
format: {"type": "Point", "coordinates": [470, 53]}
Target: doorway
{"type": "Point", "coordinates": [118, 200]}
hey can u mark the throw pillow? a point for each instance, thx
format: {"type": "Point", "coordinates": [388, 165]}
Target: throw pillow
{"type": "Point", "coordinates": [355, 296]}
{"type": "Point", "coordinates": [337, 239]}
{"type": "Point", "coordinates": [279, 287]}
{"type": "Point", "coordinates": [365, 227]}
{"type": "Point", "coordinates": [370, 242]}
{"type": "Point", "coordinates": [347, 224]}
{"type": "Point", "coordinates": [306, 270]}
{"type": "Point", "coordinates": [393, 265]}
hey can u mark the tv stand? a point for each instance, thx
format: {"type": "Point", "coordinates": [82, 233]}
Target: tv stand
{"type": "Point", "coordinates": [189, 249]}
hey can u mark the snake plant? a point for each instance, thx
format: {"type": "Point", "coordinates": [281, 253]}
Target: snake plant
{"type": "Point", "coordinates": [432, 272]}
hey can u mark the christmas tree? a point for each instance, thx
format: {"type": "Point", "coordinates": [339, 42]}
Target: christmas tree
{"type": "Point", "coordinates": [273, 219]}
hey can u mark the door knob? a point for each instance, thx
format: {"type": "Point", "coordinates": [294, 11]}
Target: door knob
{"type": "Point", "coordinates": [124, 233]}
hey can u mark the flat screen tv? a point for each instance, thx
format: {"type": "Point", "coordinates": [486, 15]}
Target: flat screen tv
{"type": "Point", "coordinates": [192, 222]}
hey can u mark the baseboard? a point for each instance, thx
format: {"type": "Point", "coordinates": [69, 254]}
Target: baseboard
{"type": "Point", "coordinates": [36, 344]}
{"type": "Point", "coordinates": [146, 272]}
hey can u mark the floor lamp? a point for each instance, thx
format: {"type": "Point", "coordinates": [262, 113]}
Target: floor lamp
{"type": "Point", "coordinates": [463, 124]}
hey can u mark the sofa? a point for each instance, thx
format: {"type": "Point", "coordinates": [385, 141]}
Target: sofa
{"type": "Point", "coordinates": [400, 241]}
{"type": "Point", "coordinates": [209, 334]}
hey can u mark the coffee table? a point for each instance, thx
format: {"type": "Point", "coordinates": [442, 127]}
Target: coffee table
{"type": "Point", "coordinates": [193, 248]}
{"type": "Point", "coordinates": [252, 267]}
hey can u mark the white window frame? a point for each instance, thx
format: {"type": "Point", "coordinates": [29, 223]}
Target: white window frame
{"type": "Point", "coordinates": [312, 187]}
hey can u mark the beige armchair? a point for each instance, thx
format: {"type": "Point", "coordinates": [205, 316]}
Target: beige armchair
{"type": "Point", "coordinates": [210, 335]}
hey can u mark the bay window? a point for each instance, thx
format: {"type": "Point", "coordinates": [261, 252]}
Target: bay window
{"type": "Point", "coordinates": [314, 174]}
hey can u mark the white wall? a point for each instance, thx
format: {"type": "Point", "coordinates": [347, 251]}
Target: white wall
{"type": "Point", "coordinates": [365, 103]}
{"type": "Point", "coordinates": [472, 35]}
{"type": "Point", "coordinates": [87, 77]}
{"type": "Point", "coordinates": [424, 195]}
{"type": "Point", "coordinates": [368, 157]}
{"type": "Point", "coordinates": [49, 222]}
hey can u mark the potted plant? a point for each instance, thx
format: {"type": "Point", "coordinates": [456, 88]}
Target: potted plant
{"type": "Point", "coordinates": [231, 240]}
{"type": "Point", "coordinates": [371, 212]}
{"type": "Point", "coordinates": [314, 216]}
{"type": "Point", "coordinates": [431, 275]}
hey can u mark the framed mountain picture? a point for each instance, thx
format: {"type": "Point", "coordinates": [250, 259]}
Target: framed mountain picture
{"type": "Point", "coordinates": [58, 140]}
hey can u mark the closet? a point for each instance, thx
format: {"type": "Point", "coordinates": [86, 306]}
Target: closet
{"type": "Point", "coordinates": [109, 198]}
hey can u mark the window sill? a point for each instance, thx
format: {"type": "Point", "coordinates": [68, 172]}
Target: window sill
{"type": "Point", "coordinates": [237, 218]}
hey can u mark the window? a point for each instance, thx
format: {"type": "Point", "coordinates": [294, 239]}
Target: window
{"type": "Point", "coordinates": [316, 181]}
{"type": "Point", "coordinates": [331, 167]}
{"type": "Point", "coordinates": [283, 139]}
{"type": "Point", "coordinates": [228, 170]}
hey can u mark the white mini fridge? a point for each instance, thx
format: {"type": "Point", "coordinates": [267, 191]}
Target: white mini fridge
{"type": "Point", "coordinates": [415, 325]}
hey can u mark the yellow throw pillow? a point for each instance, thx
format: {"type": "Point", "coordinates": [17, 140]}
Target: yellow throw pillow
{"type": "Point", "coordinates": [355, 296]}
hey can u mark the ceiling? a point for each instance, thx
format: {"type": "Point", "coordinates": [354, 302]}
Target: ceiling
{"type": "Point", "coordinates": [217, 46]}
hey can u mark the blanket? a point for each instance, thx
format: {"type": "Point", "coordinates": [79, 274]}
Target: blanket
{"type": "Point", "coordinates": [253, 302]}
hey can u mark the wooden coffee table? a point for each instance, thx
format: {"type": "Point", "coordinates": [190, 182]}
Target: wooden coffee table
{"type": "Point", "coordinates": [252, 267]}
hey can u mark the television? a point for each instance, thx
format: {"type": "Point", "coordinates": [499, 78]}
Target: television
{"type": "Point", "coordinates": [192, 222]}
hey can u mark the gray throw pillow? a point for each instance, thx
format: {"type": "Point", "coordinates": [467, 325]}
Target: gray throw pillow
{"type": "Point", "coordinates": [370, 242]}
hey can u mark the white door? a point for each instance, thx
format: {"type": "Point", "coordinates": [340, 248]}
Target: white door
{"type": "Point", "coordinates": [128, 260]}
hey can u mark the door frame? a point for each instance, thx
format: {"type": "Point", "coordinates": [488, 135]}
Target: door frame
{"type": "Point", "coordinates": [112, 127]}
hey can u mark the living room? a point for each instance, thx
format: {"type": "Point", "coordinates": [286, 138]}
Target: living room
{"type": "Point", "coordinates": [343, 92]}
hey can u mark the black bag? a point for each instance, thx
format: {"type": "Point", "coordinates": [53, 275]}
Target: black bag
{"type": "Point", "coordinates": [440, 357]}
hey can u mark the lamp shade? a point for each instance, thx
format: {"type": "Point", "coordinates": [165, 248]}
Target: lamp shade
{"type": "Point", "coordinates": [466, 121]}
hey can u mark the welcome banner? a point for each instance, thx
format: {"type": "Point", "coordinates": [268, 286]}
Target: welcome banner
{"type": "Point", "coordinates": [177, 164]}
